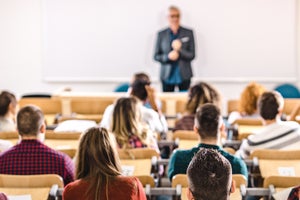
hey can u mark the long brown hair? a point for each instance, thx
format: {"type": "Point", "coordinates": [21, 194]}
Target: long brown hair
{"type": "Point", "coordinates": [97, 161]}
{"type": "Point", "coordinates": [127, 121]}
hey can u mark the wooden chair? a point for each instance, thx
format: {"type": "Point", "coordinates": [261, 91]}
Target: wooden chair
{"type": "Point", "coordinates": [9, 135]}
{"type": "Point", "coordinates": [249, 121]}
{"type": "Point", "coordinates": [90, 109]}
{"type": "Point", "coordinates": [229, 150]}
{"type": "Point", "coordinates": [186, 139]}
{"type": "Point", "coordinates": [138, 153]}
{"type": "Point", "coordinates": [50, 107]}
{"type": "Point", "coordinates": [146, 180]}
{"type": "Point", "coordinates": [281, 181]}
{"type": "Point", "coordinates": [272, 154]}
{"type": "Point", "coordinates": [50, 134]}
{"type": "Point", "coordinates": [232, 105]}
{"type": "Point", "coordinates": [39, 187]}
{"type": "Point", "coordinates": [30, 181]}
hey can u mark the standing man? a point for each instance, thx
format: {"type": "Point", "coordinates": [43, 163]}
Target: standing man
{"type": "Point", "coordinates": [175, 49]}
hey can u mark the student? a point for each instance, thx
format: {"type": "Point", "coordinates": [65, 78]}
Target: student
{"type": "Point", "coordinates": [209, 125]}
{"type": "Point", "coordinates": [31, 156]}
{"type": "Point", "coordinates": [248, 103]}
{"type": "Point", "coordinates": [8, 111]}
{"type": "Point", "coordinates": [209, 175]}
{"type": "Point", "coordinates": [98, 172]}
{"type": "Point", "coordinates": [128, 128]}
{"type": "Point", "coordinates": [276, 134]}
{"type": "Point", "coordinates": [199, 94]}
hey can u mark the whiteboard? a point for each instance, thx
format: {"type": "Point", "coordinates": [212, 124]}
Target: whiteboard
{"type": "Point", "coordinates": [101, 40]}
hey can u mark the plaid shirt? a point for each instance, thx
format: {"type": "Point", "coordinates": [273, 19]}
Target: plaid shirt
{"type": "Point", "coordinates": [33, 157]}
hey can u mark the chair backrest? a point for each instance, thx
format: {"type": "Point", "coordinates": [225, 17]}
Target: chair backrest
{"type": "Point", "coordinates": [180, 179]}
{"type": "Point", "coordinates": [239, 180]}
{"type": "Point", "coordinates": [30, 181]}
{"type": "Point", "coordinates": [9, 135]}
{"type": "Point", "coordinates": [232, 105]}
{"type": "Point", "coordinates": [138, 153]}
{"type": "Point", "coordinates": [185, 135]}
{"type": "Point", "coordinates": [229, 150]}
{"type": "Point", "coordinates": [50, 134]}
{"type": "Point", "coordinates": [47, 105]}
{"type": "Point", "coordinates": [288, 90]}
{"type": "Point", "coordinates": [249, 121]}
{"type": "Point", "coordinates": [146, 180]}
{"type": "Point", "coordinates": [273, 154]}
{"type": "Point", "coordinates": [90, 106]}
{"type": "Point", "coordinates": [281, 181]}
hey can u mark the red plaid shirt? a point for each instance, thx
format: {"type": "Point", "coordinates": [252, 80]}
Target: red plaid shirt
{"type": "Point", "coordinates": [33, 157]}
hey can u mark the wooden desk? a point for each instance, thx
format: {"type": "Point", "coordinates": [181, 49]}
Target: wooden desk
{"type": "Point", "coordinates": [36, 193]}
{"type": "Point", "coordinates": [272, 167]}
{"type": "Point", "coordinates": [141, 166]}
{"type": "Point", "coordinates": [62, 144]}
{"type": "Point", "coordinates": [187, 144]}
{"type": "Point", "coordinates": [246, 130]}
{"type": "Point", "coordinates": [233, 196]}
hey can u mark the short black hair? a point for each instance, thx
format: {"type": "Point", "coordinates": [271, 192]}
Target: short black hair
{"type": "Point", "coordinates": [269, 105]}
{"type": "Point", "coordinates": [209, 175]}
{"type": "Point", "coordinates": [207, 120]}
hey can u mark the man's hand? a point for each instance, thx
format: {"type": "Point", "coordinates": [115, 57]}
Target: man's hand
{"type": "Point", "coordinates": [176, 44]}
{"type": "Point", "coordinates": [173, 55]}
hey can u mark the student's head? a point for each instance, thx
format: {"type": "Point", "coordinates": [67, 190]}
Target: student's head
{"type": "Point", "coordinates": [208, 121]}
{"type": "Point", "coordinates": [96, 161]}
{"type": "Point", "coordinates": [209, 176]}
{"type": "Point", "coordinates": [126, 119]}
{"type": "Point", "coordinates": [270, 104]}
{"type": "Point", "coordinates": [141, 76]}
{"type": "Point", "coordinates": [200, 94]}
{"type": "Point", "coordinates": [8, 103]}
{"type": "Point", "coordinates": [139, 89]}
{"type": "Point", "coordinates": [249, 98]}
{"type": "Point", "coordinates": [30, 121]}
{"type": "Point", "coordinates": [174, 16]}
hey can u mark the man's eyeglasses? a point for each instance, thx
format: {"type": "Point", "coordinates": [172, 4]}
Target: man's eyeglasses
{"type": "Point", "coordinates": [174, 16]}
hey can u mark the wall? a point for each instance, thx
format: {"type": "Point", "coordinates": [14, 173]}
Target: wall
{"type": "Point", "coordinates": [21, 55]}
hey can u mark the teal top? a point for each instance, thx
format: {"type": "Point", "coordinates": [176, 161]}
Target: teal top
{"type": "Point", "coordinates": [180, 160]}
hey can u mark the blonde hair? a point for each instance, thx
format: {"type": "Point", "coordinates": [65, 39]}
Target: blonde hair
{"type": "Point", "coordinates": [200, 94]}
{"type": "Point", "coordinates": [126, 121]}
{"type": "Point", "coordinates": [249, 98]}
{"type": "Point", "coordinates": [96, 161]}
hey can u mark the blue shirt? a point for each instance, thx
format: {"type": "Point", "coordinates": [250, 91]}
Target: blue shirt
{"type": "Point", "coordinates": [175, 76]}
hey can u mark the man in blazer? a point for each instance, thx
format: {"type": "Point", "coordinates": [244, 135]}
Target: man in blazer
{"type": "Point", "coordinates": [175, 49]}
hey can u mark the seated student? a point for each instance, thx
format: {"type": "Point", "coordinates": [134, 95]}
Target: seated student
{"type": "Point", "coordinates": [155, 121]}
{"type": "Point", "coordinates": [98, 171]}
{"type": "Point", "coordinates": [209, 125]}
{"type": "Point", "coordinates": [209, 176]}
{"type": "Point", "coordinates": [31, 156]}
{"type": "Point", "coordinates": [248, 103]}
{"type": "Point", "coordinates": [276, 134]}
{"type": "Point", "coordinates": [199, 94]}
{"type": "Point", "coordinates": [8, 110]}
{"type": "Point", "coordinates": [128, 128]}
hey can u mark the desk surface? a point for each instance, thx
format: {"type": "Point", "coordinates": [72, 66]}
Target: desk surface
{"type": "Point", "coordinates": [62, 144]}
{"type": "Point", "coordinates": [246, 130]}
{"type": "Point", "coordinates": [36, 193]}
{"type": "Point", "coordinates": [187, 144]}
{"type": "Point", "coordinates": [141, 166]}
{"type": "Point", "coordinates": [279, 168]}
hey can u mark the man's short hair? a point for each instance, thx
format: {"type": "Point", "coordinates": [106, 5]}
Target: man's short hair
{"type": "Point", "coordinates": [208, 121]}
{"type": "Point", "coordinates": [209, 175]}
{"type": "Point", "coordinates": [29, 120]}
{"type": "Point", "coordinates": [269, 105]}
